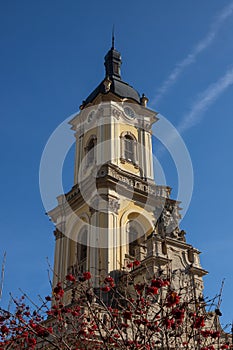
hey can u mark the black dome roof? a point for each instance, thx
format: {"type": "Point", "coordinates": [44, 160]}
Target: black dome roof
{"type": "Point", "coordinates": [117, 86]}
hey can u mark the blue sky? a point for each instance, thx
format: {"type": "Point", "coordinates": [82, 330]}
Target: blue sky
{"type": "Point", "coordinates": [179, 53]}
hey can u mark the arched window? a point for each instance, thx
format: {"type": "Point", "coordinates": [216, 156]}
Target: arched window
{"type": "Point", "coordinates": [90, 150]}
{"type": "Point", "coordinates": [129, 148]}
{"type": "Point", "coordinates": [82, 250]}
{"type": "Point", "coordinates": [133, 241]}
{"type": "Point", "coordinates": [136, 240]}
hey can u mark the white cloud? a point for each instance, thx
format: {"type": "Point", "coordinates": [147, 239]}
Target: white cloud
{"type": "Point", "coordinates": [205, 99]}
{"type": "Point", "coordinates": [198, 48]}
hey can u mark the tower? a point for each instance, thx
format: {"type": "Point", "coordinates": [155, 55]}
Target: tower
{"type": "Point", "coordinates": [115, 213]}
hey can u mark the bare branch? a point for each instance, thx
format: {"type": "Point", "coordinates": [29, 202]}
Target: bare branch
{"type": "Point", "coordinates": [2, 275]}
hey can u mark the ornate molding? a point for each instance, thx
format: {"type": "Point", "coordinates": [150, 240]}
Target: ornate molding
{"type": "Point", "coordinates": [144, 124]}
{"type": "Point", "coordinates": [105, 203]}
{"type": "Point", "coordinates": [113, 205]}
{"type": "Point", "coordinates": [117, 113]}
{"type": "Point", "coordinates": [73, 193]}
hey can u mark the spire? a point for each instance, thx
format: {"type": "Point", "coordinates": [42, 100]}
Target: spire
{"type": "Point", "coordinates": [112, 81]}
{"type": "Point", "coordinates": [113, 61]}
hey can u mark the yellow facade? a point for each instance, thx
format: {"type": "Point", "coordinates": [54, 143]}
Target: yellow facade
{"type": "Point", "coordinates": [115, 213]}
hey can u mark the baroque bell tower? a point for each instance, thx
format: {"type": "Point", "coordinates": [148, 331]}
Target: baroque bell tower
{"type": "Point", "coordinates": [115, 213]}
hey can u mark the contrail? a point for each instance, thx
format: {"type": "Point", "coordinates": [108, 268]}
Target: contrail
{"type": "Point", "coordinates": [195, 114]}
{"type": "Point", "coordinates": [198, 48]}
{"type": "Point", "coordinates": [205, 99]}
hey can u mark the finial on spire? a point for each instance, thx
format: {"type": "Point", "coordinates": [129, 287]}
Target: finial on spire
{"type": "Point", "coordinates": [113, 60]}
{"type": "Point", "coordinates": [113, 37]}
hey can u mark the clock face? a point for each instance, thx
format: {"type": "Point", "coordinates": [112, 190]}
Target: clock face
{"type": "Point", "coordinates": [129, 112]}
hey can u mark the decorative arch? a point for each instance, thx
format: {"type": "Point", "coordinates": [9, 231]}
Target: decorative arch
{"type": "Point", "coordinates": [74, 224]}
{"type": "Point", "coordinates": [85, 218]}
{"type": "Point", "coordinates": [134, 214]}
{"type": "Point", "coordinates": [136, 239]}
{"type": "Point", "coordinates": [135, 230]}
{"type": "Point", "coordinates": [78, 246]}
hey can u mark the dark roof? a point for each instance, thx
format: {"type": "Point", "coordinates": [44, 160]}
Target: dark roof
{"type": "Point", "coordinates": [112, 72]}
{"type": "Point", "coordinates": [118, 87]}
